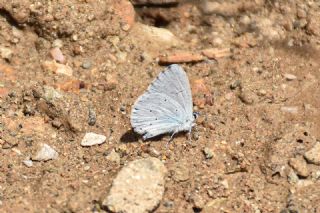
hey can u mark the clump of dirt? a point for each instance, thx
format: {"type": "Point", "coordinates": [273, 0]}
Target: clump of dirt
{"type": "Point", "coordinates": [254, 70]}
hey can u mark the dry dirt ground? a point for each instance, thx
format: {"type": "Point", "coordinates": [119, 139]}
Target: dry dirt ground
{"type": "Point", "coordinates": [259, 103]}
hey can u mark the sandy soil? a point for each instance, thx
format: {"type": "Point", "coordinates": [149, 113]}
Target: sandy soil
{"type": "Point", "coordinates": [259, 103]}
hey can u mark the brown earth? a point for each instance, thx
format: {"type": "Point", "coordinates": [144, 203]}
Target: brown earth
{"type": "Point", "coordinates": [259, 102]}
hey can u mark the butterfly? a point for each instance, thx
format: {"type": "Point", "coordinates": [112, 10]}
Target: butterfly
{"type": "Point", "coordinates": [166, 106]}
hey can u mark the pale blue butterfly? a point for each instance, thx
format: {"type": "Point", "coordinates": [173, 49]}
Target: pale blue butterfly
{"type": "Point", "coordinates": [166, 106]}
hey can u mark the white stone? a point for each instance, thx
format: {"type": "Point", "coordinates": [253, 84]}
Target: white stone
{"type": "Point", "coordinates": [45, 153]}
{"type": "Point", "coordinates": [91, 139]}
{"type": "Point", "coordinates": [28, 163]}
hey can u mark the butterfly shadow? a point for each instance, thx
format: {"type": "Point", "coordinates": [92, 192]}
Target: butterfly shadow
{"type": "Point", "coordinates": [131, 137]}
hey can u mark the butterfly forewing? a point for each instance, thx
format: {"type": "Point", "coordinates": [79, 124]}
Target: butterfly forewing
{"type": "Point", "coordinates": [156, 113]}
{"type": "Point", "coordinates": [173, 81]}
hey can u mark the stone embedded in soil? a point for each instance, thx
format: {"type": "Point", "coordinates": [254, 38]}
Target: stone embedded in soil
{"type": "Point", "coordinates": [198, 201]}
{"type": "Point", "coordinates": [138, 187]}
{"type": "Point", "coordinates": [73, 85]}
{"type": "Point", "coordinates": [246, 97]}
{"type": "Point", "coordinates": [158, 39]}
{"type": "Point", "coordinates": [52, 66]}
{"type": "Point", "coordinates": [6, 53]}
{"type": "Point", "coordinates": [50, 94]}
{"type": "Point", "coordinates": [57, 55]}
{"type": "Point", "coordinates": [112, 82]}
{"type": "Point", "coordinates": [215, 205]}
{"type": "Point", "coordinates": [91, 139]}
{"type": "Point", "coordinates": [313, 155]}
{"type": "Point", "coordinates": [180, 173]}
{"type": "Point", "coordinates": [92, 117]}
{"type": "Point", "coordinates": [86, 64]}
{"type": "Point", "coordinates": [300, 166]}
{"type": "Point", "coordinates": [214, 53]}
{"type": "Point", "coordinates": [292, 177]}
{"type": "Point", "coordinates": [228, 8]}
{"type": "Point", "coordinates": [181, 57]}
{"type": "Point", "coordinates": [57, 43]}
{"type": "Point", "coordinates": [126, 12]}
{"type": "Point", "coordinates": [313, 27]}
{"type": "Point", "coordinates": [45, 153]}
{"type": "Point", "coordinates": [289, 109]}
{"type": "Point", "coordinates": [114, 157]}
{"type": "Point", "coordinates": [208, 154]}
{"type": "Point", "coordinates": [154, 2]}
{"type": "Point", "coordinates": [28, 163]}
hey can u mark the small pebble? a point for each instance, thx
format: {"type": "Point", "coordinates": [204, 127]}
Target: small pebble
{"type": "Point", "coordinates": [153, 152]}
{"type": "Point", "coordinates": [91, 139]}
{"type": "Point", "coordinates": [28, 163]}
{"type": "Point", "coordinates": [180, 173]}
{"type": "Point", "coordinates": [114, 157]}
{"type": "Point", "coordinates": [92, 117]}
{"type": "Point", "coordinates": [56, 123]}
{"type": "Point", "coordinates": [293, 177]}
{"type": "Point", "coordinates": [45, 153]}
{"type": "Point", "coordinates": [289, 109]}
{"type": "Point", "coordinates": [168, 204]}
{"type": "Point", "coordinates": [86, 65]}
{"type": "Point", "coordinates": [246, 97]}
{"type": "Point", "coordinates": [300, 166]}
{"type": "Point", "coordinates": [261, 92]}
{"type": "Point", "coordinates": [6, 53]}
{"type": "Point", "coordinates": [235, 84]}
{"type": "Point", "coordinates": [313, 155]}
{"type": "Point", "coordinates": [208, 153]}
{"type": "Point", "coordinates": [52, 66]}
{"type": "Point", "coordinates": [57, 43]}
{"type": "Point", "coordinates": [57, 55]}
{"type": "Point", "coordinates": [290, 77]}
{"type": "Point", "coordinates": [198, 202]}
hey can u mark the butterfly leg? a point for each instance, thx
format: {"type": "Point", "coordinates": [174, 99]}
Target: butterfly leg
{"type": "Point", "coordinates": [171, 138]}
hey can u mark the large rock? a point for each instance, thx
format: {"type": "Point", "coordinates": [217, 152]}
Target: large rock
{"type": "Point", "coordinates": [138, 187]}
{"type": "Point", "coordinates": [153, 40]}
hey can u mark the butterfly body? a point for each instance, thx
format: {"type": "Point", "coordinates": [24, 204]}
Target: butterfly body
{"type": "Point", "coordinates": [166, 106]}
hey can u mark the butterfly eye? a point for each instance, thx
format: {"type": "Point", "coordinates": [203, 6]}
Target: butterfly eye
{"type": "Point", "coordinates": [196, 115]}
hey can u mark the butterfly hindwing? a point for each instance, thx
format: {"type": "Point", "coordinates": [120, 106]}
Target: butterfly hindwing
{"type": "Point", "coordinates": [156, 113]}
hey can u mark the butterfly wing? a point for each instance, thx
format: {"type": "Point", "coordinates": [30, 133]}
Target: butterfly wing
{"type": "Point", "coordinates": [173, 81]}
{"type": "Point", "coordinates": [166, 106]}
{"type": "Point", "coordinates": [156, 113]}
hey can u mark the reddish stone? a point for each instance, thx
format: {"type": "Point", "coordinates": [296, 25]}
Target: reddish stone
{"type": "Point", "coordinates": [125, 10]}
{"type": "Point", "coordinates": [181, 57]}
